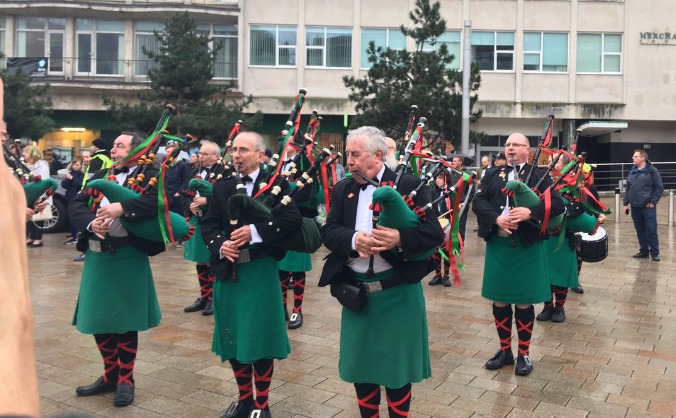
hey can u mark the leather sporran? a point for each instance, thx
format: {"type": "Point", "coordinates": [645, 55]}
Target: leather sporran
{"type": "Point", "coordinates": [349, 292]}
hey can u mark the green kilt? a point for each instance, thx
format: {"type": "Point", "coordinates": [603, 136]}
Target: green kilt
{"type": "Point", "coordinates": [295, 261]}
{"type": "Point", "coordinates": [387, 342]}
{"type": "Point", "coordinates": [562, 263]}
{"type": "Point", "coordinates": [249, 317]}
{"type": "Point", "coordinates": [515, 275]}
{"type": "Point", "coordinates": [195, 249]}
{"type": "Point", "coordinates": [117, 293]}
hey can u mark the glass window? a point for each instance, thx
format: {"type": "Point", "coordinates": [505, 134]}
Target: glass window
{"type": "Point", "coordinates": [545, 52]}
{"type": "Point", "coordinates": [41, 37]}
{"type": "Point", "coordinates": [384, 38]}
{"type": "Point", "coordinates": [599, 53]}
{"type": "Point", "coordinates": [273, 45]}
{"type": "Point", "coordinates": [100, 47]}
{"type": "Point", "coordinates": [145, 38]}
{"type": "Point", "coordinates": [493, 51]}
{"type": "Point", "coordinates": [328, 47]}
{"type": "Point", "coordinates": [452, 41]}
{"type": "Point", "coordinates": [225, 61]}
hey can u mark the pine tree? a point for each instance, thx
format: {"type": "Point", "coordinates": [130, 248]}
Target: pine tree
{"type": "Point", "coordinates": [181, 75]}
{"type": "Point", "coordinates": [423, 77]}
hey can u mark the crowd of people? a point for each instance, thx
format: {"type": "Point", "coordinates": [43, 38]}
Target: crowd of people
{"type": "Point", "coordinates": [374, 269]}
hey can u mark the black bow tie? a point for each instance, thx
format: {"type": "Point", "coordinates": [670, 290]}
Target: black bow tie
{"type": "Point", "coordinates": [365, 185]}
{"type": "Point", "coordinates": [121, 170]}
{"type": "Point", "coordinates": [246, 179]}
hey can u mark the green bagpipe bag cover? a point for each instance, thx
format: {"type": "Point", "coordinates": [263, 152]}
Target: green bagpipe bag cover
{"type": "Point", "coordinates": [582, 221]}
{"type": "Point", "coordinates": [524, 197]}
{"type": "Point", "coordinates": [203, 187]}
{"type": "Point", "coordinates": [35, 189]}
{"type": "Point", "coordinates": [149, 228]}
{"type": "Point", "coordinates": [248, 211]}
{"type": "Point", "coordinates": [395, 213]}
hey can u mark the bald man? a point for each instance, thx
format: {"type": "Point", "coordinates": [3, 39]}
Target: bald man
{"type": "Point", "coordinates": [516, 271]}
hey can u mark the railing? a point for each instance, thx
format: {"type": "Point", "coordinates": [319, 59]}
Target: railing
{"type": "Point", "coordinates": [68, 68]}
{"type": "Point", "coordinates": [607, 177]}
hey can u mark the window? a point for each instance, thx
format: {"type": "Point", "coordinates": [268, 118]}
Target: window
{"type": "Point", "coordinates": [493, 51]}
{"type": "Point", "coordinates": [328, 47]}
{"type": "Point", "coordinates": [3, 36]}
{"type": "Point", "coordinates": [383, 38]}
{"type": "Point", "coordinates": [545, 52]}
{"type": "Point", "coordinates": [273, 45]}
{"type": "Point", "coordinates": [41, 37]}
{"type": "Point", "coordinates": [100, 47]}
{"type": "Point", "coordinates": [599, 53]}
{"type": "Point", "coordinates": [452, 41]}
{"type": "Point", "coordinates": [145, 38]}
{"type": "Point", "coordinates": [225, 64]}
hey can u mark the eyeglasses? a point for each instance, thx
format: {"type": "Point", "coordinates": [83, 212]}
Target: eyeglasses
{"type": "Point", "coordinates": [516, 145]}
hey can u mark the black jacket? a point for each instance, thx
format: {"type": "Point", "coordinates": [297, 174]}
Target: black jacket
{"type": "Point", "coordinates": [490, 201]}
{"type": "Point", "coordinates": [216, 226]}
{"type": "Point", "coordinates": [144, 207]}
{"type": "Point", "coordinates": [340, 223]}
{"type": "Point", "coordinates": [73, 185]}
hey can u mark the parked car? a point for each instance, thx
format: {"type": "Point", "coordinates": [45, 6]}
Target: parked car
{"type": "Point", "coordinates": [59, 208]}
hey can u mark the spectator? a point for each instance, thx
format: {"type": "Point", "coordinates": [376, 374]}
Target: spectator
{"type": "Point", "coordinates": [54, 163]}
{"type": "Point", "coordinates": [73, 183]}
{"type": "Point", "coordinates": [39, 167]}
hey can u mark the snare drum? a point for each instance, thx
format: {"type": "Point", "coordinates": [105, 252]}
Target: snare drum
{"type": "Point", "coordinates": [594, 248]}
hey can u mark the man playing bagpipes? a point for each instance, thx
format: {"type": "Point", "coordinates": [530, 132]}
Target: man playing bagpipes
{"type": "Point", "coordinates": [441, 209]}
{"type": "Point", "coordinates": [467, 195]}
{"type": "Point", "coordinates": [194, 249]}
{"type": "Point", "coordinates": [250, 329]}
{"type": "Point", "coordinates": [385, 343]}
{"type": "Point", "coordinates": [516, 271]}
{"type": "Point", "coordinates": [117, 296]}
{"type": "Point", "coordinates": [293, 267]}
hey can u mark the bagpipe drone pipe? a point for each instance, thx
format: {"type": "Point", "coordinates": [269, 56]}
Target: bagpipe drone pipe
{"type": "Point", "coordinates": [168, 226]}
{"type": "Point", "coordinates": [36, 188]}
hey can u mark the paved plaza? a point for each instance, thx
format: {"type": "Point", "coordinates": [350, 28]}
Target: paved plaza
{"type": "Point", "coordinates": [615, 356]}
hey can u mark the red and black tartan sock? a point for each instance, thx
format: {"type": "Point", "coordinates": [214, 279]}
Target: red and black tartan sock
{"type": "Point", "coordinates": [127, 345]}
{"type": "Point", "coordinates": [437, 259]}
{"type": "Point", "coordinates": [203, 278]}
{"type": "Point", "coordinates": [550, 302]}
{"type": "Point", "coordinates": [284, 279]}
{"type": "Point", "coordinates": [262, 378]}
{"type": "Point", "coordinates": [107, 344]}
{"type": "Point", "coordinates": [503, 323]}
{"type": "Point", "coordinates": [399, 401]}
{"type": "Point", "coordinates": [243, 375]}
{"type": "Point", "coordinates": [524, 327]}
{"type": "Point", "coordinates": [368, 399]}
{"type": "Point", "coordinates": [447, 267]}
{"type": "Point", "coordinates": [298, 290]}
{"type": "Point", "coordinates": [561, 294]}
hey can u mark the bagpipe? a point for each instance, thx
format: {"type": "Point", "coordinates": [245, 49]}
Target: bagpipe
{"type": "Point", "coordinates": [36, 188]}
{"type": "Point", "coordinates": [268, 202]}
{"type": "Point", "coordinates": [168, 226]}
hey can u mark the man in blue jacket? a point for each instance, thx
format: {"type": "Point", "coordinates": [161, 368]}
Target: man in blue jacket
{"type": "Point", "coordinates": [644, 190]}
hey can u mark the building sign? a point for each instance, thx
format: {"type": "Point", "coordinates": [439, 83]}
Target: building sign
{"type": "Point", "coordinates": [658, 38]}
{"type": "Point", "coordinates": [33, 66]}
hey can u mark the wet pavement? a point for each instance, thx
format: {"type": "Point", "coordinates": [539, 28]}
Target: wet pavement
{"type": "Point", "coordinates": [615, 356]}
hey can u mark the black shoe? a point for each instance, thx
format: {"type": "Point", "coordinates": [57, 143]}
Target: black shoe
{"type": "Point", "coordinates": [296, 320]}
{"type": "Point", "coordinates": [238, 410]}
{"type": "Point", "coordinates": [446, 281]}
{"type": "Point", "coordinates": [656, 258]}
{"type": "Point", "coordinates": [124, 395]}
{"type": "Point", "coordinates": [260, 413]}
{"type": "Point", "coordinates": [435, 280]}
{"type": "Point", "coordinates": [500, 360]}
{"type": "Point", "coordinates": [523, 365]}
{"type": "Point", "coordinates": [578, 289]}
{"type": "Point", "coordinates": [641, 255]}
{"type": "Point", "coordinates": [545, 315]}
{"type": "Point", "coordinates": [199, 305]}
{"type": "Point", "coordinates": [209, 309]}
{"type": "Point", "coordinates": [558, 314]}
{"type": "Point", "coordinates": [96, 388]}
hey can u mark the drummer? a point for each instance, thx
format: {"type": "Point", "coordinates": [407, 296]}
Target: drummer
{"type": "Point", "coordinates": [441, 256]}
